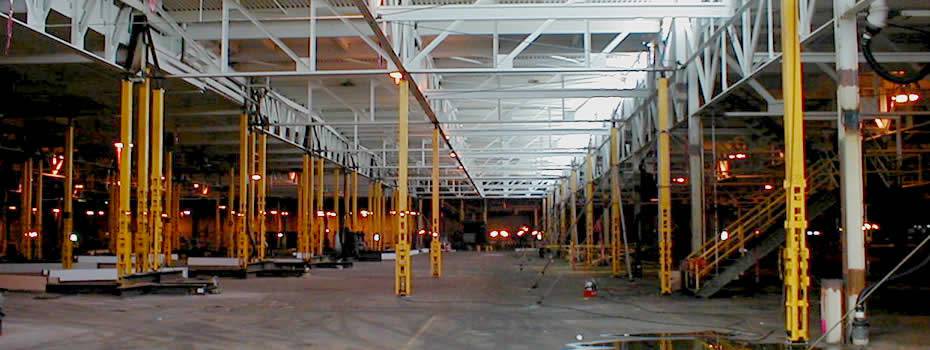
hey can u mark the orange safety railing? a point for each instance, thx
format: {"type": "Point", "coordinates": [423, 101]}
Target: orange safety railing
{"type": "Point", "coordinates": [750, 225]}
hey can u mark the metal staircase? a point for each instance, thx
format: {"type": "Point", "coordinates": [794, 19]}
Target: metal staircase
{"type": "Point", "coordinates": [722, 260]}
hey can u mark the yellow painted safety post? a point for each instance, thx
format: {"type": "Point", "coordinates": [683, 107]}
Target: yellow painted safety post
{"type": "Point", "coordinates": [141, 238]}
{"type": "Point", "coordinates": [321, 220]}
{"type": "Point", "coordinates": [242, 228]}
{"type": "Point", "coordinates": [797, 280]}
{"type": "Point", "coordinates": [252, 202]}
{"type": "Point", "coordinates": [175, 237]}
{"type": "Point", "coordinates": [435, 247]}
{"type": "Point", "coordinates": [262, 185]}
{"type": "Point", "coordinates": [573, 217]}
{"type": "Point", "coordinates": [171, 212]}
{"type": "Point", "coordinates": [156, 178]}
{"type": "Point", "coordinates": [589, 210]}
{"type": "Point", "coordinates": [67, 245]}
{"type": "Point", "coordinates": [665, 194]}
{"type": "Point", "coordinates": [402, 282]}
{"type": "Point", "coordinates": [614, 202]}
{"type": "Point", "coordinates": [123, 236]}
{"type": "Point", "coordinates": [230, 214]}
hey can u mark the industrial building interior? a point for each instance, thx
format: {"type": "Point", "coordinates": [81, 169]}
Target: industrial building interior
{"type": "Point", "coordinates": [464, 174]}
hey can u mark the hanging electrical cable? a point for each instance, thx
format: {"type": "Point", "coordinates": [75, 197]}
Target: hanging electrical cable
{"type": "Point", "coordinates": [877, 20]}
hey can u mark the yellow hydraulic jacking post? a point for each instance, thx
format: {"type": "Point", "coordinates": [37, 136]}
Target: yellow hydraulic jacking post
{"type": "Point", "coordinates": [157, 177]}
{"type": "Point", "coordinates": [321, 220]}
{"type": "Point", "coordinates": [665, 194]}
{"type": "Point", "coordinates": [251, 210]}
{"type": "Point", "coordinates": [113, 210]}
{"type": "Point", "coordinates": [141, 240]}
{"type": "Point", "coordinates": [123, 235]}
{"type": "Point", "coordinates": [303, 240]}
{"type": "Point", "coordinates": [169, 221]}
{"type": "Point", "coordinates": [262, 185]}
{"type": "Point", "coordinates": [36, 249]}
{"type": "Point", "coordinates": [336, 222]}
{"type": "Point", "coordinates": [25, 242]}
{"type": "Point", "coordinates": [614, 202]}
{"type": "Point", "coordinates": [354, 211]}
{"type": "Point", "coordinates": [311, 208]}
{"type": "Point", "coordinates": [573, 217]}
{"type": "Point", "coordinates": [242, 228]}
{"type": "Point", "coordinates": [230, 213]}
{"type": "Point", "coordinates": [796, 254]}
{"type": "Point", "coordinates": [67, 245]}
{"type": "Point", "coordinates": [435, 246]}
{"type": "Point", "coordinates": [402, 282]}
{"type": "Point", "coordinates": [589, 211]}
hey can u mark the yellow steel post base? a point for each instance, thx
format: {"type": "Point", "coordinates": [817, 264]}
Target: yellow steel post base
{"type": "Point", "coordinates": [402, 285]}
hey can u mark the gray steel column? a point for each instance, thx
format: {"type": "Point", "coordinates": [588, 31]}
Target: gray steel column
{"type": "Point", "coordinates": [850, 150]}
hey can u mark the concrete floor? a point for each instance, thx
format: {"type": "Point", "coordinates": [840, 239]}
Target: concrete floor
{"type": "Point", "coordinates": [482, 302]}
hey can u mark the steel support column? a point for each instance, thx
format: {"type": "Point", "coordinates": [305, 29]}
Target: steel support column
{"type": "Point", "coordinates": [123, 235]}
{"type": "Point", "coordinates": [573, 217]}
{"type": "Point", "coordinates": [589, 210]}
{"type": "Point", "coordinates": [231, 212]}
{"type": "Point", "coordinates": [242, 228]}
{"type": "Point", "coordinates": [435, 247]}
{"type": "Point", "coordinates": [850, 152]}
{"type": "Point", "coordinates": [402, 270]}
{"type": "Point", "coordinates": [172, 212]}
{"type": "Point", "coordinates": [67, 245]}
{"type": "Point", "coordinates": [35, 251]}
{"type": "Point", "coordinates": [261, 193]}
{"type": "Point", "coordinates": [156, 179]}
{"type": "Point", "coordinates": [615, 202]}
{"type": "Point", "coordinates": [665, 193]}
{"type": "Point", "coordinates": [142, 239]}
{"type": "Point", "coordinates": [321, 220]}
{"type": "Point", "coordinates": [795, 258]}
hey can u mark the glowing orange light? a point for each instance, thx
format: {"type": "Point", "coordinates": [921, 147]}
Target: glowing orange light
{"type": "Point", "coordinates": [397, 76]}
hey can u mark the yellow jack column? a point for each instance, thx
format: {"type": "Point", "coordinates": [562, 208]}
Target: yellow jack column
{"type": "Point", "coordinates": [242, 228]}
{"type": "Point", "coordinates": [402, 283]}
{"type": "Point", "coordinates": [142, 238]}
{"type": "Point", "coordinates": [311, 208]}
{"type": "Point", "coordinates": [354, 211]}
{"type": "Point", "coordinates": [321, 220]}
{"type": "Point", "coordinates": [589, 211]}
{"type": "Point", "coordinates": [36, 249]}
{"type": "Point", "coordinates": [262, 192]}
{"type": "Point", "coordinates": [573, 247]}
{"type": "Point", "coordinates": [123, 235]}
{"type": "Point", "coordinates": [435, 246]}
{"type": "Point", "coordinates": [26, 210]}
{"type": "Point", "coordinates": [169, 216]}
{"type": "Point", "coordinates": [156, 178]}
{"type": "Point", "coordinates": [665, 194]}
{"type": "Point", "coordinates": [67, 245]}
{"type": "Point", "coordinates": [230, 214]}
{"type": "Point", "coordinates": [796, 254]}
{"type": "Point", "coordinates": [615, 202]}
{"type": "Point", "coordinates": [302, 209]}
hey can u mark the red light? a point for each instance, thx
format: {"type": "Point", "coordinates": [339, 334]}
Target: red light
{"type": "Point", "coordinates": [768, 187]}
{"type": "Point", "coordinates": [494, 234]}
{"type": "Point", "coordinates": [505, 234]}
{"type": "Point", "coordinates": [680, 180]}
{"type": "Point", "coordinates": [421, 232]}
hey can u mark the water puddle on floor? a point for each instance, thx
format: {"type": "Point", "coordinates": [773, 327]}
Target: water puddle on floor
{"type": "Point", "coordinates": [675, 341]}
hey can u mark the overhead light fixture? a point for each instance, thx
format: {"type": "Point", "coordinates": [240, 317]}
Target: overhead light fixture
{"type": "Point", "coordinates": [882, 123]}
{"type": "Point", "coordinates": [256, 177]}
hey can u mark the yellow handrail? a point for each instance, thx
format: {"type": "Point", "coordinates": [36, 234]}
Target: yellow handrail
{"type": "Point", "coordinates": [762, 216]}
